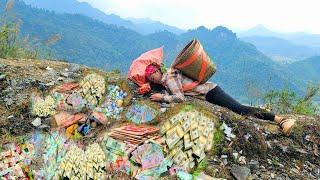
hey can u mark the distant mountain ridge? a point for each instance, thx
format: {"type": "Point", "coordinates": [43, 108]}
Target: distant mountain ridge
{"type": "Point", "coordinates": [76, 7]}
{"type": "Point", "coordinates": [86, 41]}
{"type": "Point", "coordinates": [310, 65]}
{"type": "Point", "coordinates": [280, 49]}
{"type": "Point", "coordinates": [299, 38]}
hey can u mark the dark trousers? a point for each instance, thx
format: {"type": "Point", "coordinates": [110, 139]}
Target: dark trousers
{"type": "Point", "coordinates": [219, 97]}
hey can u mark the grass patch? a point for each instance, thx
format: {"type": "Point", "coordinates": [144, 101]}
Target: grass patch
{"type": "Point", "coordinates": [201, 167]}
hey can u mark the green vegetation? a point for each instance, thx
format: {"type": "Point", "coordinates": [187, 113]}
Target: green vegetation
{"type": "Point", "coordinates": [80, 39]}
{"type": "Point", "coordinates": [200, 168]}
{"type": "Point", "coordinates": [287, 101]}
{"type": "Point", "coordinates": [12, 45]}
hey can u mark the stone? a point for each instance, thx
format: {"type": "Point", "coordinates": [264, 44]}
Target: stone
{"type": "Point", "coordinates": [165, 105]}
{"type": "Point", "coordinates": [9, 101]}
{"type": "Point", "coordinates": [253, 164]}
{"type": "Point", "coordinates": [49, 68]}
{"type": "Point", "coordinates": [2, 77]}
{"type": "Point", "coordinates": [225, 161]}
{"type": "Point", "coordinates": [50, 84]}
{"type": "Point", "coordinates": [240, 172]}
{"type": "Point", "coordinates": [272, 175]}
{"type": "Point", "coordinates": [36, 122]}
{"type": "Point", "coordinates": [74, 68]}
{"type": "Point", "coordinates": [224, 156]}
{"type": "Point", "coordinates": [235, 155]}
{"type": "Point", "coordinates": [65, 74]}
{"type": "Point", "coordinates": [163, 110]}
{"type": "Point", "coordinates": [60, 78]}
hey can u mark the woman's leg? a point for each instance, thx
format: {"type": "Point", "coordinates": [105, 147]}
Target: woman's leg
{"type": "Point", "coordinates": [219, 97]}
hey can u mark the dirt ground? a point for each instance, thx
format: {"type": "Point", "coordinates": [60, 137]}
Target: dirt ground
{"type": "Point", "coordinates": [258, 145]}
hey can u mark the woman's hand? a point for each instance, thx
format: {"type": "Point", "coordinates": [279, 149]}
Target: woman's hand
{"type": "Point", "coordinates": [156, 97]}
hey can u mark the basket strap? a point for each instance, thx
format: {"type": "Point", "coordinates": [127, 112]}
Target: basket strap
{"type": "Point", "coordinates": [202, 73]}
{"type": "Point", "coordinates": [191, 59]}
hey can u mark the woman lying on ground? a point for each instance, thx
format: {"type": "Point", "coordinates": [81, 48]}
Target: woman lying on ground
{"type": "Point", "coordinates": [173, 80]}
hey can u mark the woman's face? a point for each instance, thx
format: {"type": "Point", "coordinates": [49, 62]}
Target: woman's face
{"type": "Point", "coordinates": [156, 77]}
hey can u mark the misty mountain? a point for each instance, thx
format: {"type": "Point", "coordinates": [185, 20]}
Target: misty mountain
{"type": "Point", "coordinates": [147, 26]}
{"type": "Point", "coordinates": [280, 49]}
{"type": "Point", "coordinates": [76, 7]}
{"type": "Point", "coordinates": [300, 38]}
{"type": "Point", "coordinates": [258, 30]}
{"type": "Point", "coordinates": [307, 69]}
{"type": "Point", "coordinates": [241, 66]}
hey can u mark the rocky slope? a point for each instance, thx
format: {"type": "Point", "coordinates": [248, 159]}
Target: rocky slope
{"type": "Point", "coordinates": [244, 147]}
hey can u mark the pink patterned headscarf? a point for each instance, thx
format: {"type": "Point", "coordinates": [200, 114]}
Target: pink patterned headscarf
{"type": "Point", "coordinates": [150, 69]}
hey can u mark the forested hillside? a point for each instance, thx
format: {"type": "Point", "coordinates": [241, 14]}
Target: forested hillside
{"type": "Point", "coordinates": [242, 69]}
{"type": "Point", "coordinates": [307, 69]}
{"type": "Point", "coordinates": [280, 50]}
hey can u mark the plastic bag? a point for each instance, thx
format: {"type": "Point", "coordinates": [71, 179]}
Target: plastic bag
{"type": "Point", "coordinates": [137, 69]}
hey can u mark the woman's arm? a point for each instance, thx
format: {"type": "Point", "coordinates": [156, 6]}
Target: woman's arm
{"type": "Point", "coordinates": [173, 83]}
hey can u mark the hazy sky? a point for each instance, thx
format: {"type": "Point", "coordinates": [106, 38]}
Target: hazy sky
{"type": "Point", "coordinates": [280, 15]}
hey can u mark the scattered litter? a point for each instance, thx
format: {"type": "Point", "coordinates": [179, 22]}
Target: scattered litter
{"type": "Point", "coordinates": [79, 164]}
{"type": "Point", "coordinates": [188, 136]}
{"type": "Point", "coordinates": [15, 161]}
{"type": "Point", "coordinates": [154, 173]}
{"type": "Point", "coordinates": [43, 107]}
{"type": "Point", "coordinates": [49, 68]}
{"type": "Point", "coordinates": [112, 106]}
{"type": "Point", "coordinates": [65, 119]}
{"type": "Point", "coordinates": [134, 135]}
{"type": "Point", "coordinates": [175, 169]}
{"type": "Point", "coordinates": [247, 136]}
{"type": "Point", "coordinates": [93, 87]}
{"type": "Point", "coordinates": [100, 117]}
{"type": "Point", "coordinates": [224, 156]}
{"type": "Point", "coordinates": [71, 130]}
{"type": "Point", "coordinates": [84, 129]}
{"type": "Point", "coordinates": [138, 113]}
{"type": "Point", "coordinates": [227, 131]}
{"type": "Point", "coordinates": [242, 160]}
{"type": "Point", "coordinates": [68, 87]}
{"type": "Point", "coordinates": [151, 160]}
{"type": "Point", "coordinates": [235, 155]}
{"type": "Point", "coordinates": [117, 155]}
{"type": "Point", "coordinates": [163, 110]}
{"type": "Point", "coordinates": [148, 155]}
{"type": "Point", "coordinates": [76, 102]}
{"type": "Point", "coordinates": [184, 175]}
{"type": "Point", "coordinates": [51, 148]}
{"type": "Point", "coordinates": [36, 122]}
{"type": "Point", "coordinates": [69, 102]}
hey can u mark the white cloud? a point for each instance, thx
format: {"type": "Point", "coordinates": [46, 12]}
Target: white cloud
{"type": "Point", "coordinates": [281, 15]}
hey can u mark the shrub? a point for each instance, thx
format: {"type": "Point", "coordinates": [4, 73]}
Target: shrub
{"type": "Point", "coordinates": [287, 101]}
